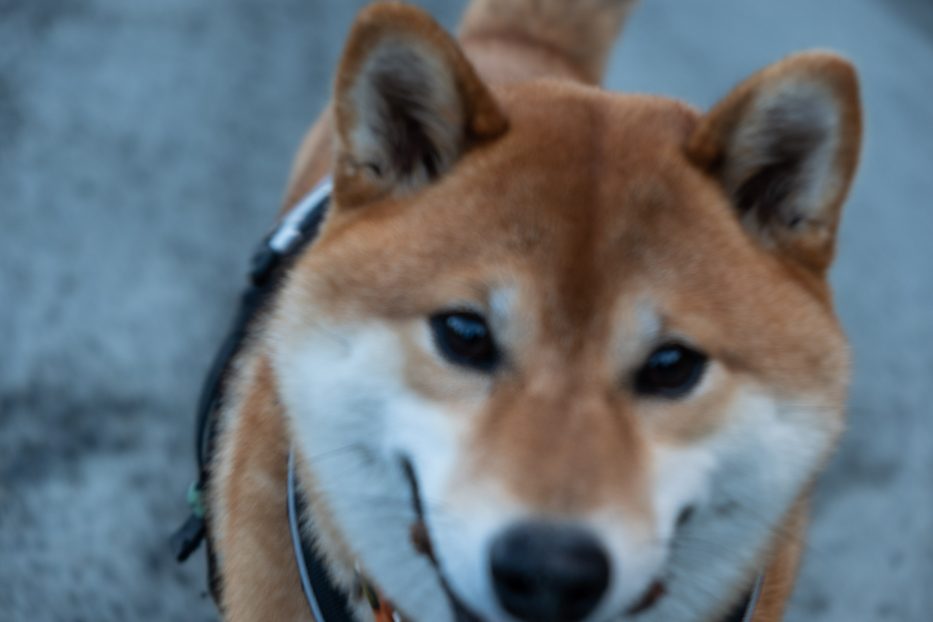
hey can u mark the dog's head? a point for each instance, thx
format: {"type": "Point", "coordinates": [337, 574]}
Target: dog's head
{"type": "Point", "coordinates": [591, 333]}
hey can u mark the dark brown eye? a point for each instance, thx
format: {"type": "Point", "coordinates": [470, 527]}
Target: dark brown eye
{"type": "Point", "coordinates": [464, 338]}
{"type": "Point", "coordinates": [670, 371]}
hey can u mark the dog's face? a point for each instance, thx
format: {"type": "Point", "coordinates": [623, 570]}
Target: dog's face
{"type": "Point", "coordinates": [587, 337]}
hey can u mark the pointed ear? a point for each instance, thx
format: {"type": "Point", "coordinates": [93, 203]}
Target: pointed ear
{"type": "Point", "coordinates": [784, 146]}
{"type": "Point", "coordinates": [408, 104]}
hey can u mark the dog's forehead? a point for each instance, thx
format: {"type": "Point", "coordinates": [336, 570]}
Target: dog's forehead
{"type": "Point", "coordinates": [612, 124]}
{"type": "Point", "coordinates": [582, 170]}
{"type": "Point", "coordinates": [574, 148]}
{"type": "Point", "coordinates": [585, 191]}
{"type": "Point", "coordinates": [584, 187]}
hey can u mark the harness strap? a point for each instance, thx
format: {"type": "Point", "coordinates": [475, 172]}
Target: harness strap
{"type": "Point", "coordinates": [270, 262]}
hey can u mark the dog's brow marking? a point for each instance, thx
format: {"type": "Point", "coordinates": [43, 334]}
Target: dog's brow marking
{"type": "Point", "coordinates": [649, 322]}
{"type": "Point", "coordinates": [502, 303]}
{"type": "Point", "coordinates": [637, 327]}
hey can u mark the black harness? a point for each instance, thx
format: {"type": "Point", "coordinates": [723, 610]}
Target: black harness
{"type": "Point", "coordinates": [270, 262]}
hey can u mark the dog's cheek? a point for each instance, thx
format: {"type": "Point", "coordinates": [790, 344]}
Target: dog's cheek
{"type": "Point", "coordinates": [352, 417]}
{"type": "Point", "coordinates": [682, 479]}
{"type": "Point", "coordinates": [431, 425]}
{"type": "Point", "coordinates": [460, 517]}
{"type": "Point", "coordinates": [463, 525]}
{"type": "Point", "coordinates": [759, 462]}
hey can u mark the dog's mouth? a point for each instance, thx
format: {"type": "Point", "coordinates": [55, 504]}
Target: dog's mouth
{"type": "Point", "coordinates": [421, 540]}
{"type": "Point", "coordinates": [652, 595]}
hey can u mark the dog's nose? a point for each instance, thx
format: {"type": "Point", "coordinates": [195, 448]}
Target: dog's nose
{"type": "Point", "coordinates": [549, 573]}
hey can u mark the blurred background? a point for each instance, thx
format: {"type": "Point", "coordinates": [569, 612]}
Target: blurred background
{"type": "Point", "coordinates": [144, 146]}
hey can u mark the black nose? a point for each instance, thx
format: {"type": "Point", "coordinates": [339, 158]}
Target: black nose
{"type": "Point", "coordinates": [549, 573]}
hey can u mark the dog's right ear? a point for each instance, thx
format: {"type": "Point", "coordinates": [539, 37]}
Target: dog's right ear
{"type": "Point", "coordinates": [784, 146]}
{"type": "Point", "coordinates": [408, 104]}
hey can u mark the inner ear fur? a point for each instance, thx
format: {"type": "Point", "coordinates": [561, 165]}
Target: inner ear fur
{"type": "Point", "coordinates": [408, 104]}
{"type": "Point", "coordinates": [784, 146]}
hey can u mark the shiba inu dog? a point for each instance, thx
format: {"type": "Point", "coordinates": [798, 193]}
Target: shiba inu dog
{"type": "Point", "coordinates": [556, 354]}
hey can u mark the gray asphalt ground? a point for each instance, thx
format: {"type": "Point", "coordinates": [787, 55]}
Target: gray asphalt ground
{"type": "Point", "coordinates": [143, 150]}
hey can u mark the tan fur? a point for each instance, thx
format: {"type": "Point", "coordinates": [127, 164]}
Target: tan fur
{"type": "Point", "coordinates": [785, 559]}
{"type": "Point", "coordinates": [584, 233]}
{"type": "Point", "coordinates": [258, 568]}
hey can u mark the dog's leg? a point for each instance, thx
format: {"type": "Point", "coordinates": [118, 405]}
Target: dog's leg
{"type": "Point", "coordinates": [510, 40]}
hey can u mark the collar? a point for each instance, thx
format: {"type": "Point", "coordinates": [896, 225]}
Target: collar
{"type": "Point", "coordinates": [325, 600]}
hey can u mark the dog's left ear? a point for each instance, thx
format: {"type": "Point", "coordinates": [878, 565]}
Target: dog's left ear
{"type": "Point", "coordinates": [784, 146]}
{"type": "Point", "coordinates": [408, 104]}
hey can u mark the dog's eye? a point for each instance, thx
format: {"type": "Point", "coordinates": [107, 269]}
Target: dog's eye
{"type": "Point", "coordinates": [670, 371]}
{"type": "Point", "coordinates": [464, 338]}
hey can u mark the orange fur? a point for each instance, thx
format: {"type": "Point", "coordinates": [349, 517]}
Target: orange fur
{"type": "Point", "coordinates": [259, 574]}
